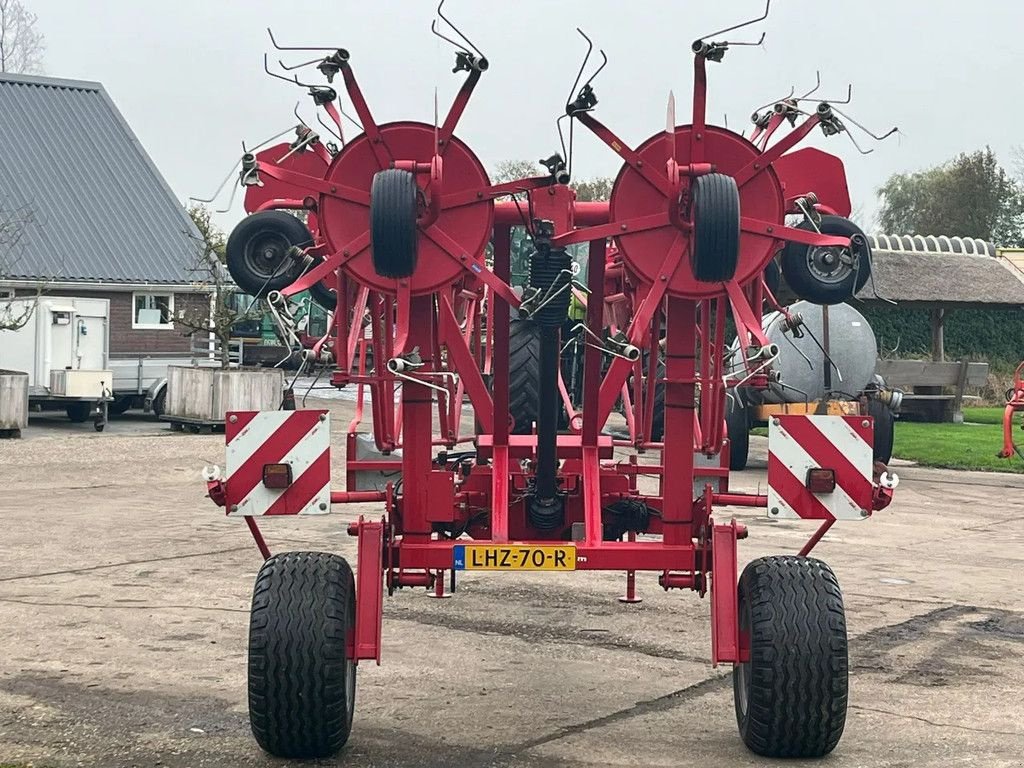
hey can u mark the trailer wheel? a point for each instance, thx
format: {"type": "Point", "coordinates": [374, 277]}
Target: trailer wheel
{"type": "Point", "coordinates": [716, 227]}
{"type": "Point", "coordinates": [737, 429]}
{"type": "Point", "coordinates": [301, 681]}
{"type": "Point", "coordinates": [160, 403]}
{"type": "Point", "coordinates": [825, 275]}
{"type": "Point", "coordinates": [258, 251]}
{"type": "Point", "coordinates": [791, 695]}
{"type": "Point", "coordinates": [78, 413]}
{"type": "Point", "coordinates": [393, 234]}
{"type": "Point", "coordinates": [120, 405]}
{"type": "Point", "coordinates": [523, 374]}
{"type": "Point", "coordinates": [885, 423]}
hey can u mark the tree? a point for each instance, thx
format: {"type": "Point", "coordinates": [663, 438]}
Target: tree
{"type": "Point", "coordinates": [969, 196]}
{"type": "Point", "coordinates": [14, 225]}
{"type": "Point", "coordinates": [21, 43]}
{"type": "Point", "coordinates": [223, 312]}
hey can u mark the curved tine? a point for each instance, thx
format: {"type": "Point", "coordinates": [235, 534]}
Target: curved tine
{"type": "Point", "coordinates": [298, 116]}
{"type": "Point", "coordinates": [304, 85]}
{"type": "Point", "coordinates": [561, 136]}
{"type": "Point", "coordinates": [330, 130]}
{"type": "Point", "coordinates": [457, 30]}
{"type": "Point", "coordinates": [856, 145]}
{"type": "Point", "coordinates": [876, 137]}
{"type": "Point", "coordinates": [762, 17]}
{"type": "Point", "coordinates": [285, 67]}
{"type": "Point", "coordinates": [458, 45]}
{"type": "Point", "coordinates": [231, 200]}
{"type": "Point", "coordinates": [773, 102]}
{"type": "Point", "coordinates": [220, 187]}
{"type": "Point", "coordinates": [298, 48]}
{"type": "Point", "coordinates": [351, 119]}
{"type": "Point", "coordinates": [586, 58]}
{"type": "Point", "coordinates": [817, 85]}
{"type": "Point", "coordinates": [849, 96]}
{"type": "Point", "coordinates": [749, 42]}
{"type": "Point", "coordinates": [604, 63]}
{"type": "Point", "coordinates": [266, 68]}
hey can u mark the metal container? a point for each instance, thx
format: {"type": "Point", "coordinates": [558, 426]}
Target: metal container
{"type": "Point", "coordinates": [851, 344]}
{"type": "Point", "coordinates": [13, 403]}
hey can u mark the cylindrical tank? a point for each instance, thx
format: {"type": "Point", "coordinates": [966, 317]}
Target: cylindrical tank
{"type": "Point", "coordinates": [851, 346]}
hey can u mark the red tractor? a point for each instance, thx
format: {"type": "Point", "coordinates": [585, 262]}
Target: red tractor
{"type": "Point", "coordinates": [404, 212]}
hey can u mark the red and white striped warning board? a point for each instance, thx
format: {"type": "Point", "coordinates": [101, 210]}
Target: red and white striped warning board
{"type": "Point", "coordinates": [299, 439]}
{"type": "Point", "coordinates": [797, 444]}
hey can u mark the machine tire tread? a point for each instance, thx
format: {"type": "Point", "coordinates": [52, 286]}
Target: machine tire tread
{"type": "Point", "coordinates": [393, 233]}
{"type": "Point", "coordinates": [523, 374]}
{"type": "Point", "coordinates": [798, 684]}
{"type": "Point", "coordinates": [303, 610]}
{"type": "Point", "coordinates": [283, 224]}
{"type": "Point", "coordinates": [716, 236]}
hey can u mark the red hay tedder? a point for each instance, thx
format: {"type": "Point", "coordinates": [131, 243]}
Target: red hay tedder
{"type": "Point", "coordinates": [396, 244]}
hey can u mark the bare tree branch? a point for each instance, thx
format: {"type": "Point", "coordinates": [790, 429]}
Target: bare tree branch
{"type": "Point", "coordinates": [22, 45]}
{"type": "Point", "coordinates": [14, 224]}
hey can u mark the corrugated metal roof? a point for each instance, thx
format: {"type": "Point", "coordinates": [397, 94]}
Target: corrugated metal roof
{"type": "Point", "coordinates": [101, 209]}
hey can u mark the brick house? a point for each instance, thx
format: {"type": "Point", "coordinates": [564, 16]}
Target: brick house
{"type": "Point", "coordinates": [97, 220]}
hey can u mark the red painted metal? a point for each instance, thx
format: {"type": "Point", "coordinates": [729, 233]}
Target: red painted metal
{"type": "Point", "coordinates": [1014, 404]}
{"type": "Point", "coordinates": [452, 317]}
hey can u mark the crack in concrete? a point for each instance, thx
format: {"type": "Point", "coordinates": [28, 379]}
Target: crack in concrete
{"type": "Point", "coordinates": [90, 568]}
{"type": "Point", "coordinates": [132, 606]}
{"type": "Point", "coordinates": [935, 723]}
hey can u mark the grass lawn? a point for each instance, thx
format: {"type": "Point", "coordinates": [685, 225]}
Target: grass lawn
{"type": "Point", "coordinates": [972, 445]}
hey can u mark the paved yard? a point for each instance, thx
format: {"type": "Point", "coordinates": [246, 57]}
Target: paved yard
{"type": "Point", "coordinates": [124, 599]}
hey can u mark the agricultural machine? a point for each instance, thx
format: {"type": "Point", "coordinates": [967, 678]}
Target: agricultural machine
{"type": "Point", "coordinates": [1014, 404]}
{"type": "Point", "coordinates": [400, 217]}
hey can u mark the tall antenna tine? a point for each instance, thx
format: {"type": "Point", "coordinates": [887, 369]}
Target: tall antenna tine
{"type": "Point", "coordinates": [266, 68]}
{"type": "Point", "coordinates": [817, 85]}
{"type": "Point", "coordinates": [604, 63]}
{"type": "Point", "coordinates": [457, 30]}
{"type": "Point", "coordinates": [298, 116]}
{"type": "Point", "coordinates": [762, 17]}
{"type": "Point", "coordinates": [330, 130]}
{"type": "Point", "coordinates": [586, 58]}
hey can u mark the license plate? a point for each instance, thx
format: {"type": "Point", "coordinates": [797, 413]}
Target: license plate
{"type": "Point", "coordinates": [514, 557]}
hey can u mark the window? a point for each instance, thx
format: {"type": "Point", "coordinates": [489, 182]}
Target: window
{"type": "Point", "coordinates": [6, 293]}
{"type": "Point", "coordinates": [153, 310]}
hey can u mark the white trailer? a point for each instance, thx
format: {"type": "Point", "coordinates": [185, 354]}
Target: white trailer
{"type": "Point", "coordinates": [65, 350]}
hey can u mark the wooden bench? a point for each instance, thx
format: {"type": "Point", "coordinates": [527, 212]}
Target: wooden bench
{"type": "Point", "coordinates": [924, 382]}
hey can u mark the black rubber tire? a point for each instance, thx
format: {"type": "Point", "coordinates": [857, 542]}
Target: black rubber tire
{"type": "Point", "coordinates": [257, 251]}
{"type": "Point", "coordinates": [885, 429]}
{"type": "Point", "coordinates": [98, 426]}
{"type": "Point", "coordinates": [772, 277]}
{"type": "Point", "coordinates": [301, 683]}
{"type": "Point", "coordinates": [523, 374]}
{"type": "Point", "coordinates": [808, 285]}
{"type": "Point", "coordinates": [737, 429]}
{"type": "Point", "coordinates": [320, 293]}
{"type": "Point", "coordinates": [393, 233]}
{"type": "Point", "coordinates": [79, 413]}
{"type": "Point", "coordinates": [715, 199]}
{"type": "Point", "coordinates": [658, 420]}
{"type": "Point", "coordinates": [791, 696]}
{"type": "Point", "coordinates": [119, 405]}
{"type": "Point", "coordinates": [160, 403]}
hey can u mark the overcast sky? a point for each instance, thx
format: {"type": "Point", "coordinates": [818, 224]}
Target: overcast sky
{"type": "Point", "coordinates": [188, 74]}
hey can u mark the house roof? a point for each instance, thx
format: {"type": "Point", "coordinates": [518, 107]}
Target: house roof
{"type": "Point", "coordinates": [101, 211]}
{"type": "Point", "coordinates": [941, 271]}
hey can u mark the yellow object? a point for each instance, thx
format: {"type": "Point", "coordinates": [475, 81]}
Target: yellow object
{"type": "Point", "coordinates": [515, 557]}
{"type": "Point", "coordinates": [814, 407]}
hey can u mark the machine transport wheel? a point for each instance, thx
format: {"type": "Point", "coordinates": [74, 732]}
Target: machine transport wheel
{"type": "Point", "coordinates": [885, 423]}
{"type": "Point", "coordinates": [737, 427]}
{"type": "Point", "coordinates": [79, 413]}
{"type": "Point", "coordinates": [825, 274]}
{"type": "Point", "coordinates": [716, 225]}
{"type": "Point", "coordinates": [393, 234]}
{"type": "Point", "coordinates": [99, 425]}
{"type": "Point", "coordinates": [791, 695]}
{"type": "Point", "coordinates": [301, 682]}
{"type": "Point", "coordinates": [523, 374]}
{"type": "Point", "coordinates": [257, 251]}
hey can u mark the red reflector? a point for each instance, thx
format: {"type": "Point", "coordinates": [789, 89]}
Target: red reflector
{"type": "Point", "coordinates": [821, 480]}
{"type": "Point", "coordinates": [277, 475]}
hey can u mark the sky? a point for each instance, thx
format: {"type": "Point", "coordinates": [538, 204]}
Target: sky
{"type": "Point", "coordinates": [188, 74]}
